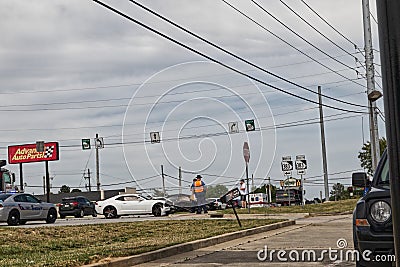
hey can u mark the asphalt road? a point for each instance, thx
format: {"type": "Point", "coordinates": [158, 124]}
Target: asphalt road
{"type": "Point", "coordinates": [315, 234]}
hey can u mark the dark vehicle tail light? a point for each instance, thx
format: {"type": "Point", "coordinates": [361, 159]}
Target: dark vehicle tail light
{"type": "Point", "coordinates": [75, 203]}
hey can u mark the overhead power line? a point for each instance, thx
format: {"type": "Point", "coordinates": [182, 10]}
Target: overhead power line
{"type": "Point", "coordinates": [300, 36]}
{"type": "Point", "coordinates": [319, 32]}
{"type": "Point", "coordinates": [289, 44]}
{"type": "Point", "coordinates": [229, 53]}
{"type": "Point", "coordinates": [213, 59]}
{"type": "Point", "coordinates": [332, 27]}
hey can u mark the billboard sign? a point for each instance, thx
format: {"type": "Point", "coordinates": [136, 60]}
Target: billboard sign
{"type": "Point", "coordinates": [28, 153]}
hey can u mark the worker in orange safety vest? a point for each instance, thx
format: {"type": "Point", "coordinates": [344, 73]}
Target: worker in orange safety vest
{"type": "Point", "coordinates": [199, 188]}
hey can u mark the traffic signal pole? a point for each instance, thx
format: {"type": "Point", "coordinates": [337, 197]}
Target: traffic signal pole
{"type": "Point", "coordinates": [389, 40]}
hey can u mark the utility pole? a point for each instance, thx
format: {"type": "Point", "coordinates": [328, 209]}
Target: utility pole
{"type": "Point", "coordinates": [389, 40]}
{"type": "Point", "coordinates": [324, 161]}
{"type": "Point", "coordinates": [163, 179]}
{"type": "Point", "coordinates": [47, 181]}
{"type": "Point", "coordinates": [88, 177]}
{"type": "Point", "coordinates": [269, 190]}
{"type": "Point", "coordinates": [252, 182]}
{"type": "Point", "coordinates": [97, 163]}
{"type": "Point", "coordinates": [180, 181]}
{"type": "Point", "coordinates": [373, 94]}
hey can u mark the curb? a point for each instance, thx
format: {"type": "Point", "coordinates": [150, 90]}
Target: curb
{"type": "Point", "coordinates": [189, 246]}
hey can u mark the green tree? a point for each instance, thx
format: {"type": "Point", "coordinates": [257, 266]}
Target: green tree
{"type": "Point", "coordinates": [216, 191]}
{"type": "Point", "coordinates": [365, 154]}
{"type": "Point", "coordinates": [338, 192]}
{"type": "Point", "coordinates": [65, 189]}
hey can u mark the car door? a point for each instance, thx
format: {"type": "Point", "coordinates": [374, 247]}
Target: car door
{"type": "Point", "coordinates": [25, 209]}
{"type": "Point", "coordinates": [36, 207]}
{"type": "Point", "coordinates": [132, 203]}
{"type": "Point", "coordinates": [143, 205]}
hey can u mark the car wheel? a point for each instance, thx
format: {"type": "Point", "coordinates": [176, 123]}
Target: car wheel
{"type": "Point", "coordinates": [51, 216]}
{"type": "Point", "coordinates": [110, 212]}
{"type": "Point", "coordinates": [13, 218]}
{"type": "Point", "coordinates": [80, 214]}
{"type": "Point", "coordinates": [156, 210]}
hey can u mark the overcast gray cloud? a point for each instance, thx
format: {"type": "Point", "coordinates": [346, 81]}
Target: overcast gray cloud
{"type": "Point", "coordinates": [71, 69]}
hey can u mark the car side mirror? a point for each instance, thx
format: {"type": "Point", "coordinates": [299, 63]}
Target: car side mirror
{"type": "Point", "coordinates": [360, 179]}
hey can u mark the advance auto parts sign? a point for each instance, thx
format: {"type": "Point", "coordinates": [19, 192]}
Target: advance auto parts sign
{"type": "Point", "coordinates": [27, 153]}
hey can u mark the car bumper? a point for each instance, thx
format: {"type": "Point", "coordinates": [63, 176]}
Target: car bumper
{"type": "Point", "coordinates": [381, 246]}
{"type": "Point", "coordinates": [3, 216]}
{"type": "Point", "coordinates": [69, 212]}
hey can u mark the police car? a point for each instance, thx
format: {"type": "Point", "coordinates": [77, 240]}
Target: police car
{"type": "Point", "coordinates": [21, 207]}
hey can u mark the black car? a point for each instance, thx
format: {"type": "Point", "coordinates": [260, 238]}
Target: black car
{"type": "Point", "coordinates": [372, 218]}
{"type": "Point", "coordinates": [76, 206]}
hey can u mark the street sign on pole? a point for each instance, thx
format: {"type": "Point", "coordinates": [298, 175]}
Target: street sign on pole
{"type": "Point", "coordinates": [155, 137]}
{"type": "Point", "coordinates": [99, 142]}
{"type": "Point", "coordinates": [250, 126]}
{"type": "Point", "coordinates": [86, 144]}
{"type": "Point", "coordinates": [246, 152]}
{"type": "Point", "coordinates": [233, 127]}
{"type": "Point", "coordinates": [301, 162]}
{"type": "Point", "coordinates": [287, 165]}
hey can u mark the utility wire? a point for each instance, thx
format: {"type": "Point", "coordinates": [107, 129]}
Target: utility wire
{"type": "Point", "coordinates": [289, 44]}
{"type": "Point", "coordinates": [212, 59]}
{"type": "Point", "coordinates": [227, 52]}
{"type": "Point", "coordinates": [319, 32]}
{"type": "Point", "coordinates": [333, 28]}
{"type": "Point", "coordinates": [302, 38]}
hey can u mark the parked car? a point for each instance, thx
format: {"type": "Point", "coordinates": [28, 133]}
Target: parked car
{"type": "Point", "coordinates": [215, 204]}
{"type": "Point", "coordinates": [21, 207]}
{"type": "Point", "coordinates": [76, 206]}
{"type": "Point", "coordinates": [131, 204]}
{"type": "Point", "coordinates": [372, 217]}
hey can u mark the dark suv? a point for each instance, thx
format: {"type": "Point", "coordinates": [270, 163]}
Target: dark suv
{"type": "Point", "coordinates": [76, 206]}
{"type": "Point", "coordinates": [372, 218]}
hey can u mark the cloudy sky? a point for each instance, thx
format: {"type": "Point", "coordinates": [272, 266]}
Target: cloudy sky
{"type": "Point", "coordinates": [71, 69]}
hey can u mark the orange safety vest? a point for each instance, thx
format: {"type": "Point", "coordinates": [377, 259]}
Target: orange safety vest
{"type": "Point", "coordinates": [198, 187]}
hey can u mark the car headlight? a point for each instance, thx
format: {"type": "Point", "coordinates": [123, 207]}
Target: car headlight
{"type": "Point", "coordinates": [380, 211]}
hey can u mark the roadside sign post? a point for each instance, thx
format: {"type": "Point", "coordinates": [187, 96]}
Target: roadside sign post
{"type": "Point", "coordinates": [246, 155]}
{"type": "Point", "coordinates": [48, 151]}
{"type": "Point", "coordinates": [301, 166]}
{"type": "Point", "coordinates": [228, 198]}
{"type": "Point", "coordinates": [287, 167]}
{"type": "Point", "coordinates": [86, 144]}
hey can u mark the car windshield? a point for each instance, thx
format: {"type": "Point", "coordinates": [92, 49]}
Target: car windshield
{"type": "Point", "coordinates": [4, 196]}
{"type": "Point", "coordinates": [383, 178]}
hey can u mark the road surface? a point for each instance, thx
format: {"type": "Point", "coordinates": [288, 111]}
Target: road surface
{"type": "Point", "coordinates": [308, 236]}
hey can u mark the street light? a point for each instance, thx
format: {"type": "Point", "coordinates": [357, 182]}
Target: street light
{"type": "Point", "coordinates": [374, 95]}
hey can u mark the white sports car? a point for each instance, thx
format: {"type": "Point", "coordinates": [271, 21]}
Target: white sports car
{"type": "Point", "coordinates": [131, 204]}
{"type": "Point", "coordinates": [19, 208]}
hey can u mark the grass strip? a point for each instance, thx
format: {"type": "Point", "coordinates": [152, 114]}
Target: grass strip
{"type": "Point", "coordinates": [78, 245]}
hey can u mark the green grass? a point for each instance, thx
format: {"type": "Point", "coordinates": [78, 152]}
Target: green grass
{"type": "Point", "coordinates": [78, 245]}
{"type": "Point", "coordinates": [332, 207]}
